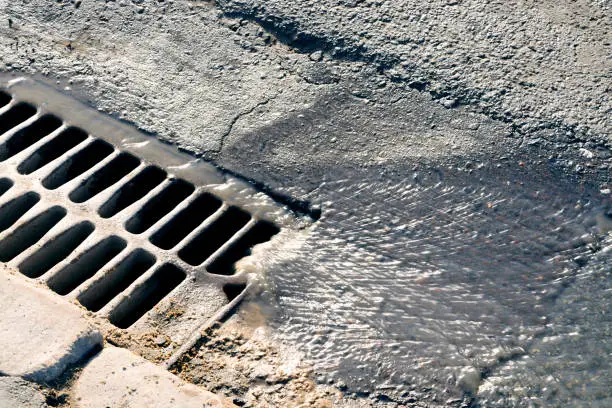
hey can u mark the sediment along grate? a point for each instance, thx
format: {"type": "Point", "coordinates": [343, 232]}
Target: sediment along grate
{"type": "Point", "coordinates": [128, 226]}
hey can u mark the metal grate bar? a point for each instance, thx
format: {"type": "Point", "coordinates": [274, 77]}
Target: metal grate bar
{"type": "Point", "coordinates": [120, 222]}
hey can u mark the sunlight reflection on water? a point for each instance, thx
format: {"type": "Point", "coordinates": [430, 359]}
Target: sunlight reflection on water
{"type": "Point", "coordinates": [435, 286]}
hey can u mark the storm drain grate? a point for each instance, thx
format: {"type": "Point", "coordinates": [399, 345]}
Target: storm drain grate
{"type": "Point", "coordinates": [129, 227]}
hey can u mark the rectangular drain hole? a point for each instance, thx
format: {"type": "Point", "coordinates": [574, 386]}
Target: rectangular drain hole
{"type": "Point", "coordinates": [261, 232]}
{"type": "Point", "coordinates": [16, 208]}
{"type": "Point", "coordinates": [117, 280]}
{"type": "Point", "coordinates": [147, 295]}
{"type": "Point", "coordinates": [233, 290]}
{"type": "Point", "coordinates": [29, 135]}
{"type": "Point", "coordinates": [15, 116]}
{"type": "Point", "coordinates": [160, 205]}
{"type": "Point", "coordinates": [102, 179]}
{"type": "Point", "coordinates": [55, 251]}
{"type": "Point", "coordinates": [86, 265]}
{"type": "Point", "coordinates": [186, 221]}
{"type": "Point", "coordinates": [78, 164]}
{"type": "Point", "coordinates": [51, 150]}
{"type": "Point", "coordinates": [77, 186]}
{"type": "Point", "coordinates": [214, 236]}
{"type": "Point", "coordinates": [5, 99]}
{"type": "Point", "coordinates": [133, 191]}
{"type": "Point", "coordinates": [5, 185]}
{"type": "Point", "coordinates": [30, 233]}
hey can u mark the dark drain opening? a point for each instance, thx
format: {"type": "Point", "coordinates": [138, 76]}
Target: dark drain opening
{"type": "Point", "coordinates": [147, 295]}
{"type": "Point", "coordinates": [233, 290]}
{"type": "Point", "coordinates": [102, 179]}
{"type": "Point", "coordinates": [30, 233]}
{"type": "Point", "coordinates": [160, 205]}
{"type": "Point", "coordinates": [56, 251]}
{"type": "Point", "coordinates": [5, 99]}
{"type": "Point", "coordinates": [51, 150]}
{"type": "Point", "coordinates": [78, 164]}
{"type": "Point", "coordinates": [16, 208]}
{"type": "Point", "coordinates": [214, 236]}
{"type": "Point", "coordinates": [117, 280]}
{"type": "Point", "coordinates": [5, 185]}
{"type": "Point", "coordinates": [16, 115]}
{"type": "Point", "coordinates": [86, 265]}
{"type": "Point", "coordinates": [186, 221]}
{"type": "Point", "coordinates": [133, 191]}
{"type": "Point", "coordinates": [29, 135]}
{"type": "Point", "coordinates": [262, 231]}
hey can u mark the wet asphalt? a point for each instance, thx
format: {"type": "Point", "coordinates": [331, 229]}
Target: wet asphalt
{"type": "Point", "coordinates": [461, 256]}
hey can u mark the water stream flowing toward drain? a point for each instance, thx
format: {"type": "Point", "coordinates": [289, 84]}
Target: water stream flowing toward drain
{"type": "Point", "coordinates": [454, 283]}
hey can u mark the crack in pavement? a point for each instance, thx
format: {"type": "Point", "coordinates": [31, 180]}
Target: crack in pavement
{"type": "Point", "coordinates": [238, 116]}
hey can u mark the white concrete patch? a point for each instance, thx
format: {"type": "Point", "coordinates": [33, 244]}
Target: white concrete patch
{"type": "Point", "coordinates": [17, 393]}
{"type": "Point", "coordinates": [40, 335]}
{"type": "Point", "coordinates": [119, 378]}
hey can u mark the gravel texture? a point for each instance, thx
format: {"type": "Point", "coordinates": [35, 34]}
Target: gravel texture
{"type": "Point", "coordinates": [241, 360]}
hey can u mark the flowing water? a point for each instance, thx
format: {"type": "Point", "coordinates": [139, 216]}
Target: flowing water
{"type": "Point", "coordinates": [488, 284]}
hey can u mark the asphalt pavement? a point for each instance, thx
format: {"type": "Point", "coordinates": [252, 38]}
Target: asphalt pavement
{"type": "Point", "coordinates": [457, 151]}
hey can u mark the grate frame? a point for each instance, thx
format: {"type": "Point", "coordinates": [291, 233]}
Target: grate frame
{"type": "Point", "coordinates": [202, 296]}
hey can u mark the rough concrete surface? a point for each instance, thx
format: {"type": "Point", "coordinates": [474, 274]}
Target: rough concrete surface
{"type": "Point", "coordinates": [41, 335]}
{"type": "Point", "coordinates": [531, 63]}
{"type": "Point", "coordinates": [459, 152]}
{"type": "Point", "coordinates": [241, 359]}
{"type": "Point", "coordinates": [18, 393]}
{"type": "Point", "coordinates": [119, 378]}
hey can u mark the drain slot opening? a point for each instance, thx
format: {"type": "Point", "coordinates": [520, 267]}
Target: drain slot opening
{"type": "Point", "coordinates": [133, 191]}
{"type": "Point", "coordinates": [233, 290]}
{"type": "Point", "coordinates": [102, 179]}
{"type": "Point", "coordinates": [214, 236]}
{"type": "Point", "coordinates": [5, 185]}
{"type": "Point", "coordinates": [29, 135]}
{"type": "Point", "coordinates": [147, 295]}
{"type": "Point", "coordinates": [51, 150]}
{"type": "Point", "coordinates": [117, 280]}
{"type": "Point", "coordinates": [29, 234]}
{"type": "Point", "coordinates": [261, 232]}
{"type": "Point", "coordinates": [86, 265]}
{"type": "Point", "coordinates": [56, 251]}
{"type": "Point", "coordinates": [160, 205]}
{"type": "Point", "coordinates": [78, 164]}
{"type": "Point", "coordinates": [130, 227]}
{"type": "Point", "coordinates": [16, 115]}
{"type": "Point", "coordinates": [186, 221]}
{"type": "Point", "coordinates": [16, 208]}
{"type": "Point", "coordinates": [4, 99]}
